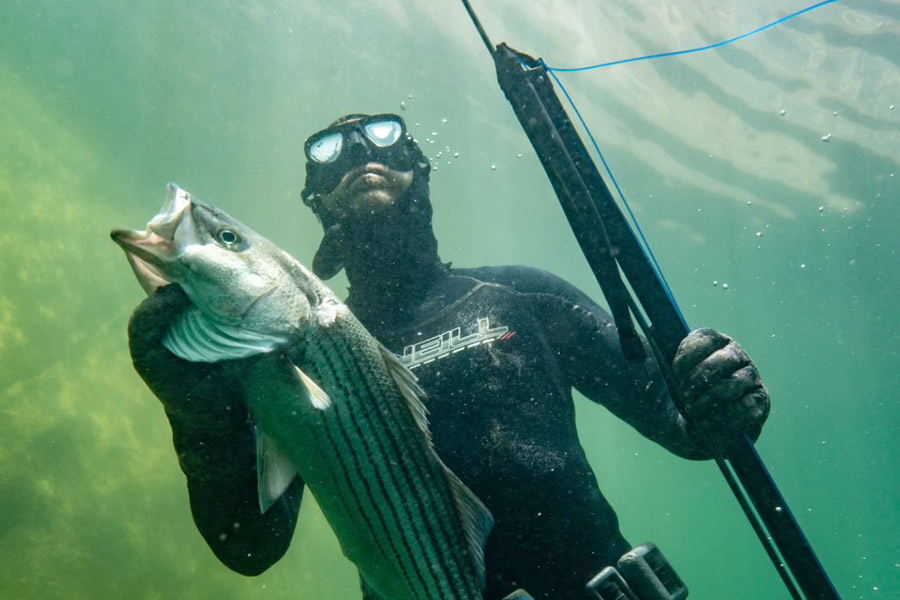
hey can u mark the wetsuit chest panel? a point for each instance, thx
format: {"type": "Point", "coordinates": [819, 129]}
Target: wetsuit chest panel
{"type": "Point", "coordinates": [502, 418]}
{"type": "Point", "coordinates": [490, 378]}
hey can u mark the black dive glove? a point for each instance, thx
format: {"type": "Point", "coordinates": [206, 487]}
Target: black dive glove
{"type": "Point", "coordinates": [214, 440]}
{"type": "Point", "coordinates": [720, 386]}
{"type": "Point", "coordinates": [199, 397]}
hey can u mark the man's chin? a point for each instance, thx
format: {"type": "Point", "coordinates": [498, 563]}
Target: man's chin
{"type": "Point", "coordinates": [373, 199]}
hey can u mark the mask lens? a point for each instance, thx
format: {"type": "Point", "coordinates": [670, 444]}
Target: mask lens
{"type": "Point", "coordinates": [383, 133]}
{"type": "Point", "coordinates": [327, 148]}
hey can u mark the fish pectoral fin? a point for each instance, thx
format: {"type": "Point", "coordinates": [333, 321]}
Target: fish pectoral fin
{"type": "Point", "coordinates": [477, 521]}
{"type": "Point", "coordinates": [408, 385]}
{"type": "Point", "coordinates": [274, 470]}
{"type": "Point", "coordinates": [317, 396]}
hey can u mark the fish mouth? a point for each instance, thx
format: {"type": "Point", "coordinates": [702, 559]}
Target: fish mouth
{"type": "Point", "coordinates": [152, 252]}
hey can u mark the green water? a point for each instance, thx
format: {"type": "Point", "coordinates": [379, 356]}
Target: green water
{"type": "Point", "coordinates": [102, 102]}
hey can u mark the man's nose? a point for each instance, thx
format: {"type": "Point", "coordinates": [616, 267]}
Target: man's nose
{"type": "Point", "coordinates": [357, 148]}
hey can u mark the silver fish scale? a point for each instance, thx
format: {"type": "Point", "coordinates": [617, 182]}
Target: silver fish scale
{"type": "Point", "coordinates": [387, 483]}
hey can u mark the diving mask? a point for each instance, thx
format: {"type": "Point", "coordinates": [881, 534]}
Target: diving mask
{"type": "Point", "coordinates": [355, 141]}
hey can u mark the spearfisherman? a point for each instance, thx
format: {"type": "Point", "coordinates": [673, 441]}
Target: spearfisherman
{"type": "Point", "coordinates": [498, 351]}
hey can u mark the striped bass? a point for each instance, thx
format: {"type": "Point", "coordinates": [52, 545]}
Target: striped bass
{"type": "Point", "coordinates": [329, 403]}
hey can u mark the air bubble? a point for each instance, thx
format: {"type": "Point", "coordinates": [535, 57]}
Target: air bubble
{"type": "Point", "coordinates": [456, 155]}
{"type": "Point", "coordinates": [403, 106]}
{"type": "Point", "coordinates": [759, 234]}
{"type": "Point", "coordinates": [493, 167]}
{"type": "Point", "coordinates": [782, 112]}
{"type": "Point", "coordinates": [826, 138]}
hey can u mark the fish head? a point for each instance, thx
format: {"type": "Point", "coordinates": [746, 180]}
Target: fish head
{"type": "Point", "coordinates": [231, 273]}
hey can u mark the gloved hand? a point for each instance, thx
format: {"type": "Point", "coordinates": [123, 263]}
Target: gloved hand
{"type": "Point", "coordinates": [197, 395]}
{"type": "Point", "coordinates": [720, 386]}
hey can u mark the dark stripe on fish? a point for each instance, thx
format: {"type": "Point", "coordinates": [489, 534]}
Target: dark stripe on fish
{"type": "Point", "coordinates": [354, 508]}
{"type": "Point", "coordinates": [418, 501]}
{"type": "Point", "coordinates": [345, 419]}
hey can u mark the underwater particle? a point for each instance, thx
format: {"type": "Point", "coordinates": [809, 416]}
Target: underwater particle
{"type": "Point", "coordinates": [438, 155]}
{"type": "Point", "coordinates": [444, 120]}
{"type": "Point", "coordinates": [410, 96]}
{"type": "Point", "coordinates": [715, 283]}
{"type": "Point", "coordinates": [403, 106]}
{"type": "Point", "coordinates": [778, 509]}
{"type": "Point", "coordinates": [826, 138]}
{"type": "Point", "coordinates": [803, 266]}
{"type": "Point", "coordinates": [834, 114]}
{"type": "Point", "coordinates": [891, 107]}
{"type": "Point", "coordinates": [456, 155]}
{"type": "Point", "coordinates": [821, 208]}
{"type": "Point", "coordinates": [519, 155]}
{"type": "Point", "coordinates": [724, 286]}
{"type": "Point", "coordinates": [493, 167]}
{"type": "Point", "coordinates": [782, 112]}
{"type": "Point", "coordinates": [749, 202]}
{"type": "Point", "coordinates": [759, 234]}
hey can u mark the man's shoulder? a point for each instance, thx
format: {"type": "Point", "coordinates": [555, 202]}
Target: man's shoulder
{"type": "Point", "coordinates": [523, 279]}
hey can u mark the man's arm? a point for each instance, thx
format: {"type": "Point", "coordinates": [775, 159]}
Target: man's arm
{"type": "Point", "coordinates": [214, 440]}
{"type": "Point", "coordinates": [720, 385]}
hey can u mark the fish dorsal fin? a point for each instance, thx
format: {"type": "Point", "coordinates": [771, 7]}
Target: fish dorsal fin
{"type": "Point", "coordinates": [317, 396]}
{"type": "Point", "coordinates": [475, 517]}
{"type": "Point", "coordinates": [408, 385]}
{"type": "Point", "coordinates": [195, 337]}
{"type": "Point", "coordinates": [274, 470]}
{"type": "Point", "coordinates": [476, 520]}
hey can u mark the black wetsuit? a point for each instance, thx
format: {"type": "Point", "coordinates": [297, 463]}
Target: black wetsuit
{"type": "Point", "coordinates": [498, 351]}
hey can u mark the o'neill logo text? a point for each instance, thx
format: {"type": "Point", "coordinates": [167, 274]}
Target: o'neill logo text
{"type": "Point", "coordinates": [450, 342]}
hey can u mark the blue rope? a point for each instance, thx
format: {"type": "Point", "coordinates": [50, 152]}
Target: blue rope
{"type": "Point", "coordinates": [701, 48]}
{"type": "Point", "coordinates": [645, 245]}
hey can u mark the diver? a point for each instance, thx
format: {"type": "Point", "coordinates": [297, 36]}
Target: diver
{"type": "Point", "coordinates": [498, 351]}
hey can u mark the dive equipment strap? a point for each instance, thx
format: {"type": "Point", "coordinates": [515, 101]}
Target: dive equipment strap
{"type": "Point", "coordinates": [643, 573]}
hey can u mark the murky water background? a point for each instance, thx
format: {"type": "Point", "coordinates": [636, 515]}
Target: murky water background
{"type": "Point", "coordinates": [722, 157]}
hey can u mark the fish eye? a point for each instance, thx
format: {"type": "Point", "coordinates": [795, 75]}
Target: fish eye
{"type": "Point", "coordinates": [228, 237]}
